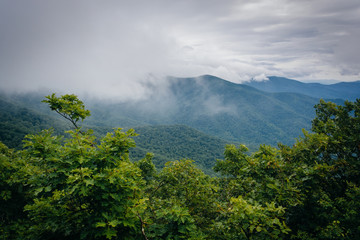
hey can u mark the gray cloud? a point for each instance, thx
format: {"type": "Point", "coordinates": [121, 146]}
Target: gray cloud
{"type": "Point", "coordinates": [111, 47]}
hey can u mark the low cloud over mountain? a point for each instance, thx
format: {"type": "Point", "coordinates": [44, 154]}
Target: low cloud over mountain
{"type": "Point", "coordinates": [110, 48]}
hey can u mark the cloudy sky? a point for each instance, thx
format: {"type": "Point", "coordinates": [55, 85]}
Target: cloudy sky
{"type": "Point", "coordinates": [114, 47]}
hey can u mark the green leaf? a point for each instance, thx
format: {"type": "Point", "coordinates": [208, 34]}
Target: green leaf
{"type": "Point", "coordinates": [109, 233]}
{"type": "Point", "coordinates": [100, 224]}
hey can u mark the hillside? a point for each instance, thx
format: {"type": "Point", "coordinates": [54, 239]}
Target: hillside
{"type": "Point", "coordinates": [17, 120]}
{"type": "Point", "coordinates": [174, 142]}
{"type": "Point", "coordinates": [343, 90]}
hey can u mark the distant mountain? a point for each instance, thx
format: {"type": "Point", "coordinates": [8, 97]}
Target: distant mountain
{"type": "Point", "coordinates": [343, 90]}
{"type": "Point", "coordinates": [234, 112]}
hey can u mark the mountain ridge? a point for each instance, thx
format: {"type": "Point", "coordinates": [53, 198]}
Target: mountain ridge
{"type": "Point", "coordinates": [234, 112]}
{"type": "Point", "coordinates": [342, 90]}
{"type": "Point", "coordinates": [207, 111]}
{"type": "Point", "coordinates": [231, 111]}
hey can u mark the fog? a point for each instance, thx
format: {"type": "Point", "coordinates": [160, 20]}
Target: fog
{"type": "Point", "coordinates": [125, 49]}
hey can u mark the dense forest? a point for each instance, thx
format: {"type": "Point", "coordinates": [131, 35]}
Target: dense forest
{"type": "Point", "coordinates": [78, 186]}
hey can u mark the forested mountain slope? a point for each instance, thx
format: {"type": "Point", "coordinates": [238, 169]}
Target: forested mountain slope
{"type": "Point", "coordinates": [17, 120]}
{"type": "Point", "coordinates": [174, 142]}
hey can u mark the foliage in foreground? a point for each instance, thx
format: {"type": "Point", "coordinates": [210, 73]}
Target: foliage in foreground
{"type": "Point", "coordinates": [83, 188]}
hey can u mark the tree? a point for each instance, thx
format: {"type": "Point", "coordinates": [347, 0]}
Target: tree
{"type": "Point", "coordinates": [330, 176]}
{"type": "Point", "coordinates": [13, 196]}
{"type": "Point", "coordinates": [69, 107]}
{"type": "Point", "coordinates": [256, 190]}
{"type": "Point", "coordinates": [79, 188]}
{"type": "Point", "coordinates": [181, 203]}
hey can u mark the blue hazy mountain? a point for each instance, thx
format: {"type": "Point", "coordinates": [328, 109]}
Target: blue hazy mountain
{"type": "Point", "coordinates": [343, 90]}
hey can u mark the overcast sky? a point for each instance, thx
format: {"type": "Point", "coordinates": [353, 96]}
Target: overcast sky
{"type": "Point", "coordinates": [114, 47]}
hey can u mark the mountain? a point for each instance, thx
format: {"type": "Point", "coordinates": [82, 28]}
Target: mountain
{"type": "Point", "coordinates": [237, 113]}
{"type": "Point", "coordinates": [234, 112]}
{"type": "Point", "coordinates": [186, 117]}
{"type": "Point", "coordinates": [343, 90]}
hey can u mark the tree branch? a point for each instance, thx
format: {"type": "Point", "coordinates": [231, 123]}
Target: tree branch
{"type": "Point", "coordinates": [142, 227]}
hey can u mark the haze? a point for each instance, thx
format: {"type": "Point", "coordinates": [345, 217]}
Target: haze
{"type": "Point", "coordinates": [117, 48]}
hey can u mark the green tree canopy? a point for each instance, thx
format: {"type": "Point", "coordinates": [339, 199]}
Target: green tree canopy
{"type": "Point", "coordinates": [81, 187]}
{"type": "Point", "coordinates": [76, 188]}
